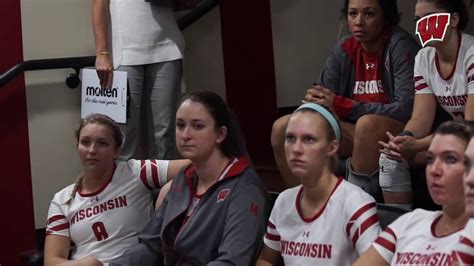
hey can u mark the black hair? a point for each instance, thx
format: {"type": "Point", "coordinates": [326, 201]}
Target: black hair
{"type": "Point", "coordinates": [461, 129]}
{"type": "Point", "coordinates": [390, 11]}
{"type": "Point", "coordinates": [233, 144]}
{"type": "Point", "coordinates": [453, 6]}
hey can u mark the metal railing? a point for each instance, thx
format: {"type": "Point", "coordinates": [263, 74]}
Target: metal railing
{"type": "Point", "coordinates": [78, 63]}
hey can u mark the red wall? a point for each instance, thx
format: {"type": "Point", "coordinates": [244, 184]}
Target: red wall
{"type": "Point", "coordinates": [249, 69]}
{"type": "Point", "coordinates": [16, 199]}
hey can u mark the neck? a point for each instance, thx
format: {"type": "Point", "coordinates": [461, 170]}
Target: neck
{"type": "Point", "coordinates": [94, 179]}
{"type": "Point", "coordinates": [373, 46]}
{"type": "Point", "coordinates": [454, 218]}
{"type": "Point", "coordinates": [209, 170]}
{"type": "Point", "coordinates": [448, 49]}
{"type": "Point", "coordinates": [317, 190]}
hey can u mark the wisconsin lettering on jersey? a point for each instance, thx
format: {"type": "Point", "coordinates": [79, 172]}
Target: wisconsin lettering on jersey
{"type": "Point", "coordinates": [301, 249]}
{"type": "Point", "coordinates": [115, 203]}
{"type": "Point", "coordinates": [436, 259]}
{"type": "Point", "coordinates": [456, 100]}
{"type": "Point", "coordinates": [368, 87]}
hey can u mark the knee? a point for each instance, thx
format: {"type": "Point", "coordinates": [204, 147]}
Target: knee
{"type": "Point", "coordinates": [278, 132]}
{"type": "Point", "coordinates": [370, 127]}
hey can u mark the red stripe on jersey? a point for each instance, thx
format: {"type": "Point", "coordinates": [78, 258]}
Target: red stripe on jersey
{"type": "Point", "coordinates": [143, 174]}
{"type": "Point", "coordinates": [272, 237]}
{"type": "Point", "coordinates": [357, 214]}
{"type": "Point", "coordinates": [385, 243]}
{"type": "Point", "coordinates": [390, 231]}
{"type": "Point", "coordinates": [154, 173]}
{"type": "Point", "coordinates": [60, 227]}
{"type": "Point", "coordinates": [272, 226]}
{"type": "Point", "coordinates": [464, 258]}
{"type": "Point", "coordinates": [55, 218]}
{"type": "Point", "coordinates": [418, 78]}
{"type": "Point", "coordinates": [470, 79]}
{"type": "Point", "coordinates": [470, 67]}
{"type": "Point", "coordinates": [364, 226]}
{"type": "Point", "coordinates": [421, 86]}
{"type": "Point", "coordinates": [466, 241]}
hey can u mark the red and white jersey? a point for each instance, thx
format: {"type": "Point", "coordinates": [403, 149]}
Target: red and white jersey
{"type": "Point", "coordinates": [343, 229]}
{"type": "Point", "coordinates": [411, 240]}
{"type": "Point", "coordinates": [106, 223]}
{"type": "Point", "coordinates": [464, 248]}
{"type": "Point", "coordinates": [451, 93]}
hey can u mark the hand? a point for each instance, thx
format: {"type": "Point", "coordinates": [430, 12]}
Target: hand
{"type": "Point", "coordinates": [104, 68]}
{"type": "Point", "coordinates": [391, 148]}
{"type": "Point", "coordinates": [320, 95]}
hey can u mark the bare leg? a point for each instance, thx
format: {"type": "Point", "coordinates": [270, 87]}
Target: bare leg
{"type": "Point", "coordinates": [369, 130]}
{"type": "Point", "coordinates": [278, 145]}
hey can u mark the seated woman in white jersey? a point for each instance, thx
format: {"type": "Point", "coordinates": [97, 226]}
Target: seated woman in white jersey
{"type": "Point", "coordinates": [109, 203]}
{"type": "Point", "coordinates": [326, 220]}
{"type": "Point", "coordinates": [464, 249]}
{"type": "Point", "coordinates": [444, 77]}
{"type": "Point", "coordinates": [215, 211]}
{"type": "Point", "coordinates": [424, 237]}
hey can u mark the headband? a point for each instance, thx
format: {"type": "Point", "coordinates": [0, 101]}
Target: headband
{"type": "Point", "coordinates": [326, 114]}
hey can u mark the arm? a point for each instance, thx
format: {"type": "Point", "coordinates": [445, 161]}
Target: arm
{"type": "Point", "coordinates": [163, 192]}
{"type": "Point", "coordinates": [175, 166]}
{"type": "Point", "coordinates": [244, 227]}
{"type": "Point", "coordinates": [149, 250]}
{"type": "Point", "coordinates": [469, 112]}
{"type": "Point", "coordinates": [268, 257]}
{"type": "Point", "coordinates": [56, 250]}
{"type": "Point", "coordinates": [103, 62]}
{"type": "Point", "coordinates": [371, 257]}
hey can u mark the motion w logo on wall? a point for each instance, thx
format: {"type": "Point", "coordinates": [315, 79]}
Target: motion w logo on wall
{"type": "Point", "coordinates": [111, 102]}
{"type": "Point", "coordinates": [432, 27]}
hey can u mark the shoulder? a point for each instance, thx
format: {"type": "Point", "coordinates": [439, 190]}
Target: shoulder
{"type": "Point", "coordinates": [352, 194]}
{"type": "Point", "coordinates": [467, 45]}
{"type": "Point", "coordinates": [415, 218]}
{"type": "Point", "coordinates": [64, 194]}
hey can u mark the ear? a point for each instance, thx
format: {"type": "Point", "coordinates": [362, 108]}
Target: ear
{"type": "Point", "coordinates": [454, 20]}
{"type": "Point", "coordinates": [333, 148]}
{"type": "Point", "coordinates": [221, 134]}
{"type": "Point", "coordinates": [118, 150]}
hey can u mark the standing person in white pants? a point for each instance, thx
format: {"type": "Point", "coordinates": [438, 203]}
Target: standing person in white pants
{"type": "Point", "coordinates": [143, 39]}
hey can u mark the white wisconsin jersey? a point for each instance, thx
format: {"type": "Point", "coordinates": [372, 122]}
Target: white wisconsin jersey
{"type": "Point", "coordinates": [105, 223]}
{"type": "Point", "coordinates": [342, 230]}
{"type": "Point", "coordinates": [411, 240]}
{"type": "Point", "coordinates": [451, 93]}
{"type": "Point", "coordinates": [464, 249]}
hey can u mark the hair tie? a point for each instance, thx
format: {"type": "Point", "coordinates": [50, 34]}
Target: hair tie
{"type": "Point", "coordinates": [326, 114]}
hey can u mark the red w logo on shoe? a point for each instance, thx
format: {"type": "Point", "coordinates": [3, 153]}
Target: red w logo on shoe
{"type": "Point", "coordinates": [432, 27]}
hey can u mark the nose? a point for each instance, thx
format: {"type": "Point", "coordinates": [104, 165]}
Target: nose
{"type": "Point", "coordinates": [359, 20]}
{"type": "Point", "coordinates": [296, 147]}
{"type": "Point", "coordinates": [435, 169]}
{"type": "Point", "coordinates": [185, 133]}
{"type": "Point", "coordinates": [93, 148]}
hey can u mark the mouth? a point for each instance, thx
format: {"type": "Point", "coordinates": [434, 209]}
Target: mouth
{"type": "Point", "coordinates": [359, 33]}
{"type": "Point", "coordinates": [297, 162]}
{"type": "Point", "coordinates": [469, 197]}
{"type": "Point", "coordinates": [92, 161]}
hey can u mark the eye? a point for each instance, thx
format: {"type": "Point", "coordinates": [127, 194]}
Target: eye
{"type": "Point", "coordinates": [103, 143]}
{"type": "Point", "coordinates": [290, 138]}
{"type": "Point", "coordinates": [180, 125]}
{"type": "Point", "coordinates": [369, 14]}
{"type": "Point", "coordinates": [451, 159]}
{"type": "Point", "coordinates": [85, 142]}
{"type": "Point", "coordinates": [467, 164]}
{"type": "Point", "coordinates": [309, 139]}
{"type": "Point", "coordinates": [429, 159]}
{"type": "Point", "coordinates": [352, 13]}
{"type": "Point", "coordinates": [198, 126]}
